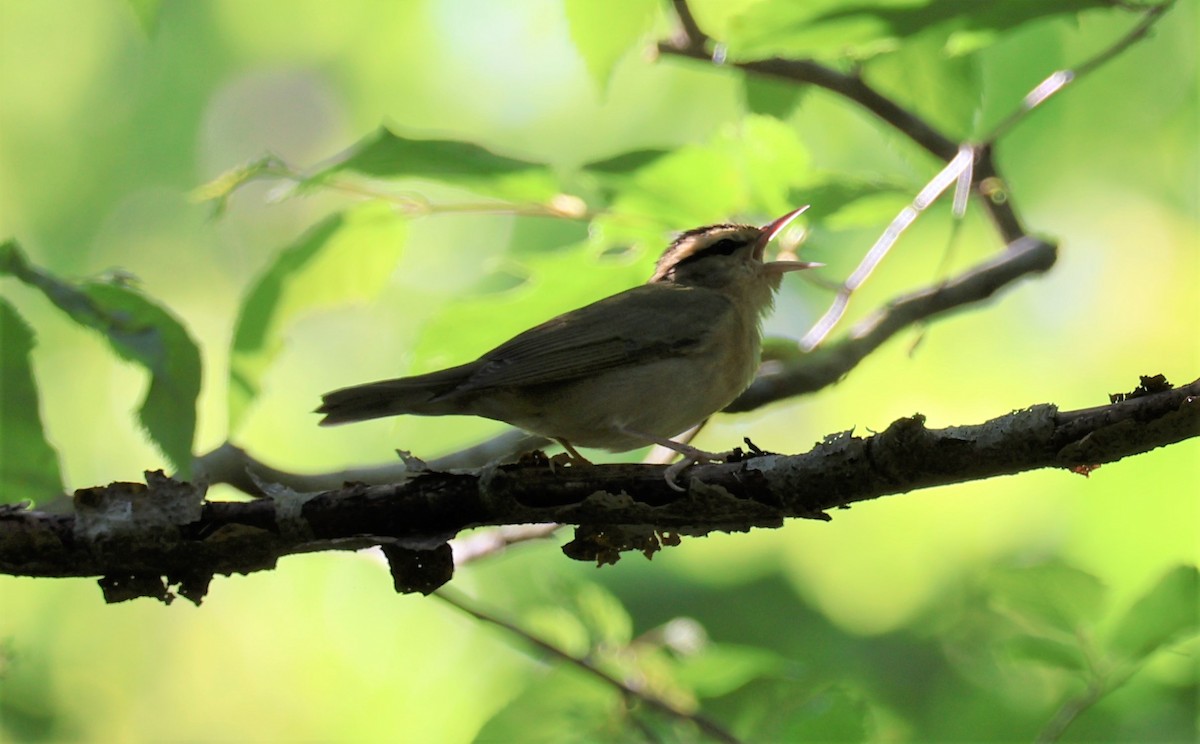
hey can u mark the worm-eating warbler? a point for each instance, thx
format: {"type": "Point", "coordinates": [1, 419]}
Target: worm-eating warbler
{"type": "Point", "coordinates": [629, 370]}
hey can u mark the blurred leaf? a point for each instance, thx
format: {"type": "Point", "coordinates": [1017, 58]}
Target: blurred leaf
{"type": "Point", "coordinates": [1050, 596]}
{"type": "Point", "coordinates": [834, 28]}
{"type": "Point", "coordinates": [139, 331]}
{"type": "Point", "coordinates": [348, 256]}
{"type": "Point", "coordinates": [604, 32]}
{"type": "Point", "coordinates": [773, 160]}
{"type": "Point", "coordinates": [28, 463]}
{"type": "Point", "coordinates": [692, 186]}
{"type": "Point", "coordinates": [793, 712]}
{"type": "Point", "coordinates": [604, 616]}
{"type": "Point", "coordinates": [534, 235]}
{"type": "Point", "coordinates": [502, 279]}
{"type": "Point", "coordinates": [770, 96]}
{"type": "Point", "coordinates": [385, 154]}
{"type": "Point", "coordinates": [844, 202]}
{"type": "Point", "coordinates": [1166, 613]}
{"type": "Point", "coordinates": [558, 282]}
{"type": "Point", "coordinates": [626, 163]}
{"type": "Point", "coordinates": [946, 91]}
{"type": "Point", "coordinates": [563, 706]}
{"type": "Point", "coordinates": [147, 12]}
{"type": "Point", "coordinates": [720, 669]}
{"type": "Point", "coordinates": [1047, 651]}
{"type": "Point", "coordinates": [560, 627]}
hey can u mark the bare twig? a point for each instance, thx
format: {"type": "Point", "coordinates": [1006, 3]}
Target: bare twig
{"type": "Point", "coordinates": [692, 34]}
{"type": "Point", "coordinates": [828, 364]}
{"type": "Point", "coordinates": [490, 542]}
{"type": "Point", "coordinates": [954, 172]}
{"type": "Point", "coordinates": [1060, 79]}
{"type": "Point", "coordinates": [710, 728]}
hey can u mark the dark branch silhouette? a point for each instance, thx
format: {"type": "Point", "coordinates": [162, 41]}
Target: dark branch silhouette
{"type": "Point", "coordinates": [144, 538]}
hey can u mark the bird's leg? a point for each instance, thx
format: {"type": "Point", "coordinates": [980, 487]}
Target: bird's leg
{"type": "Point", "coordinates": [571, 456]}
{"type": "Point", "coordinates": [691, 455]}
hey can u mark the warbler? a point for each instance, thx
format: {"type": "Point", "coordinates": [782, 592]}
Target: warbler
{"type": "Point", "coordinates": [632, 369]}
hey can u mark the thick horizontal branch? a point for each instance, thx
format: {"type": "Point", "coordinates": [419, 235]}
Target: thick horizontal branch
{"type": "Point", "coordinates": [142, 538]}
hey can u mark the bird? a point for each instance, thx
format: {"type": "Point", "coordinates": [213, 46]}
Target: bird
{"type": "Point", "coordinates": [630, 370]}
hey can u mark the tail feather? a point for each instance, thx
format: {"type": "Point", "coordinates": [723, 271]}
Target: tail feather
{"type": "Point", "coordinates": [420, 395]}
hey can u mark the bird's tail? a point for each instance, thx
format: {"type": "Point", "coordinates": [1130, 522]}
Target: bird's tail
{"type": "Point", "coordinates": [420, 395]}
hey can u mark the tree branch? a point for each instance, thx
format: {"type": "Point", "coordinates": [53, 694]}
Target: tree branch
{"type": "Point", "coordinates": [854, 88]}
{"type": "Point", "coordinates": [828, 364]}
{"type": "Point", "coordinates": [709, 727]}
{"type": "Point", "coordinates": [144, 538]}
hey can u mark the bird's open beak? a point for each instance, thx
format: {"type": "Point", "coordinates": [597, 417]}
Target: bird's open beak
{"type": "Point", "coordinates": [769, 231]}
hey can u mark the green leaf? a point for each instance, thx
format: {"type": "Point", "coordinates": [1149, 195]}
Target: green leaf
{"type": "Point", "coordinates": [558, 281]}
{"type": "Point", "coordinates": [947, 91]}
{"type": "Point", "coordinates": [834, 29]}
{"type": "Point", "coordinates": [147, 12]}
{"type": "Point", "coordinates": [563, 706]}
{"type": "Point", "coordinates": [28, 463]}
{"type": "Point", "coordinates": [348, 256]}
{"type": "Point", "coordinates": [604, 616]}
{"type": "Point", "coordinates": [1051, 596]}
{"type": "Point", "coordinates": [626, 163]}
{"type": "Point", "coordinates": [690, 187]}
{"type": "Point", "coordinates": [773, 159]}
{"type": "Point", "coordinates": [1048, 652]}
{"type": "Point", "coordinates": [841, 203]}
{"type": "Point", "coordinates": [795, 713]}
{"type": "Point", "coordinates": [771, 96]}
{"type": "Point", "coordinates": [1168, 612]}
{"type": "Point", "coordinates": [385, 154]}
{"type": "Point", "coordinates": [140, 331]}
{"type": "Point", "coordinates": [720, 669]}
{"type": "Point", "coordinates": [604, 32]}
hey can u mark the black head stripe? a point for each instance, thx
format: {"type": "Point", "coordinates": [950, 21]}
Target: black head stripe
{"type": "Point", "coordinates": [723, 247]}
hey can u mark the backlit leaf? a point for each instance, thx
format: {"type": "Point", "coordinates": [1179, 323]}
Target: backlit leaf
{"type": "Point", "coordinates": [140, 331]}
{"type": "Point", "coordinates": [1168, 612]}
{"type": "Point", "coordinates": [28, 463]}
{"type": "Point", "coordinates": [387, 155]}
{"type": "Point", "coordinates": [348, 256]}
{"type": "Point", "coordinates": [604, 32]}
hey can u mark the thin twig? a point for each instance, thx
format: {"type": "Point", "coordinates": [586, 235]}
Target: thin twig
{"type": "Point", "coordinates": [1060, 79]}
{"type": "Point", "coordinates": [830, 363]}
{"type": "Point", "coordinates": [954, 172]}
{"type": "Point", "coordinates": [490, 542]}
{"type": "Point", "coordinates": [691, 30]}
{"type": "Point", "coordinates": [708, 726]}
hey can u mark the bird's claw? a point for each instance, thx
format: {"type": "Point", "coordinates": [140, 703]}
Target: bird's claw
{"type": "Point", "coordinates": [692, 456]}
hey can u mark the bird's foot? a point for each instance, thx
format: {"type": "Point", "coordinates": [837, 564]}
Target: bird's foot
{"type": "Point", "coordinates": [692, 456]}
{"type": "Point", "coordinates": [569, 458]}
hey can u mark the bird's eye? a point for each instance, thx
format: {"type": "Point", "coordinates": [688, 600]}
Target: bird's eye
{"type": "Point", "coordinates": [724, 247]}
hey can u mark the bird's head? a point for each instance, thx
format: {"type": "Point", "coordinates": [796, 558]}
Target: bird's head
{"type": "Point", "coordinates": [725, 256]}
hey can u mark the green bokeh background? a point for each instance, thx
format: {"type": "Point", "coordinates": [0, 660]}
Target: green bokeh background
{"type": "Point", "coordinates": [106, 125]}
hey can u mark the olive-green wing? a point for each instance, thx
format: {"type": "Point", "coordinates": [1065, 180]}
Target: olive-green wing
{"type": "Point", "coordinates": [667, 321]}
